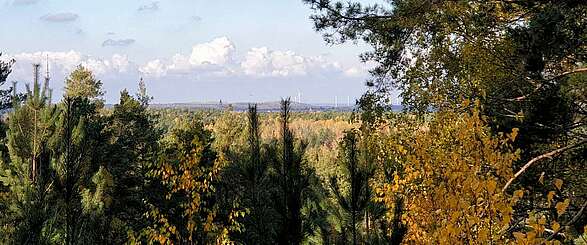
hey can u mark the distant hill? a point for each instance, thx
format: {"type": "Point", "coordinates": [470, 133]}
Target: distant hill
{"type": "Point", "coordinates": [272, 106]}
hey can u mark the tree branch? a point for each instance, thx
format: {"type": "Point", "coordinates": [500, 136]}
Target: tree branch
{"type": "Point", "coordinates": [538, 158]}
{"type": "Point", "coordinates": [566, 73]}
{"type": "Point", "coordinates": [539, 86]}
{"type": "Point", "coordinates": [575, 218]}
{"type": "Point", "coordinates": [329, 8]}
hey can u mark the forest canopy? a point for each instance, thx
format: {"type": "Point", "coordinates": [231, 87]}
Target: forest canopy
{"type": "Point", "coordinates": [490, 147]}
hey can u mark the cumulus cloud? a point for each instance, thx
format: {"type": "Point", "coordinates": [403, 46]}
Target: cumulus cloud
{"type": "Point", "coordinates": [25, 2]}
{"type": "Point", "coordinates": [154, 68]}
{"type": "Point", "coordinates": [60, 17]}
{"type": "Point", "coordinates": [153, 6]}
{"type": "Point", "coordinates": [262, 62]}
{"type": "Point", "coordinates": [216, 56]}
{"type": "Point", "coordinates": [217, 52]}
{"type": "Point", "coordinates": [62, 63]}
{"type": "Point", "coordinates": [118, 42]}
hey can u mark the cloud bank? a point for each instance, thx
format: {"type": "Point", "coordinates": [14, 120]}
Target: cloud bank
{"type": "Point", "coordinates": [219, 57]}
{"type": "Point", "coordinates": [216, 58]}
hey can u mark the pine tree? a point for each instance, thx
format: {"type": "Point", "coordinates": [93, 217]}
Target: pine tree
{"type": "Point", "coordinates": [79, 147]}
{"type": "Point", "coordinates": [73, 150]}
{"type": "Point", "coordinates": [5, 95]}
{"type": "Point", "coordinates": [293, 181]}
{"type": "Point", "coordinates": [132, 150]}
{"type": "Point", "coordinates": [27, 215]}
{"type": "Point", "coordinates": [355, 200]}
{"type": "Point", "coordinates": [246, 180]}
{"type": "Point", "coordinates": [82, 83]}
{"type": "Point", "coordinates": [142, 94]}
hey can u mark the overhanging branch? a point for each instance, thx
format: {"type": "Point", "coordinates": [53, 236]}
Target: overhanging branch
{"type": "Point", "coordinates": [538, 158]}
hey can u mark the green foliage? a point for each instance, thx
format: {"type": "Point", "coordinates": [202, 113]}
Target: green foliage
{"type": "Point", "coordinates": [26, 215]}
{"type": "Point", "coordinates": [187, 171]}
{"type": "Point", "coordinates": [442, 172]}
{"type": "Point", "coordinates": [523, 60]}
{"type": "Point", "coordinates": [353, 202]}
{"type": "Point", "coordinates": [132, 152]}
{"type": "Point", "coordinates": [82, 83]}
{"type": "Point", "coordinates": [5, 94]}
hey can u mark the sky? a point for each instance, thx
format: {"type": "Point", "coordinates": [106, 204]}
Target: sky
{"type": "Point", "coordinates": [185, 50]}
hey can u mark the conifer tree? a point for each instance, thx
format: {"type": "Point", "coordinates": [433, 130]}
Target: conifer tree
{"type": "Point", "coordinates": [5, 94]}
{"type": "Point", "coordinates": [246, 180]}
{"type": "Point", "coordinates": [79, 151]}
{"type": "Point", "coordinates": [142, 94]}
{"type": "Point", "coordinates": [27, 217]}
{"type": "Point", "coordinates": [72, 153]}
{"type": "Point", "coordinates": [132, 150]}
{"type": "Point", "coordinates": [82, 83]}
{"type": "Point", "coordinates": [292, 179]}
{"type": "Point", "coordinates": [355, 200]}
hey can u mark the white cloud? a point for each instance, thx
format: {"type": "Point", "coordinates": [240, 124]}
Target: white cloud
{"type": "Point", "coordinates": [263, 62]}
{"type": "Point", "coordinates": [353, 72]}
{"type": "Point", "coordinates": [216, 58]}
{"type": "Point", "coordinates": [154, 68]}
{"type": "Point", "coordinates": [217, 52]}
{"type": "Point", "coordinates": [180, 64]}
{"type": "Point", "coordinates": [120, 62]}
{"type": "Point", "coordinates": [62, 63]}
{"type": "Point", "coordinates": [210, 58]}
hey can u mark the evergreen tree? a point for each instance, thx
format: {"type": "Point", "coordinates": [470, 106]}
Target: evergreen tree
{"type": "Point", "coordinates": [132, 150]}
{"type": "Point", "coordinates": [246, 180]}
{"type": "Point", "coordinates": [355, 200]}
{"type": "Point", "coordinates": [82, 83]}
{"type": "Point", "coordinates": [28, 214]}
{"type": "Point", "coordinates": [72, 148]}
{"type": "Point", "coordinates": [293, 181]}
{"type": "Point", "coordinates": [79, 148]}
{"type": "Point", "coordinates": [142, 95]}
{"type": "Point", "coordinates": [6, 95]}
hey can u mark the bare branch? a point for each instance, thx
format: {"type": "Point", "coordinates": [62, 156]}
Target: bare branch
{"type": "Point", "coordinates": [538, 158]}
{"type": "Point", "coordinates": [579, 70]}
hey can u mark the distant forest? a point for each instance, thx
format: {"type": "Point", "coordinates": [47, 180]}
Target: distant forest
{"type": "Point", "coordinates": [490, 147]}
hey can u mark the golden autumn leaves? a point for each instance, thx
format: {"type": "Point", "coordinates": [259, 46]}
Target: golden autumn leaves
{"type": "Point", "coordinates": [452, 177]}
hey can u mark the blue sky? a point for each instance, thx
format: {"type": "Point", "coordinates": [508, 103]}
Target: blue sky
{"type": "Point", "coordinates": [186, 50]}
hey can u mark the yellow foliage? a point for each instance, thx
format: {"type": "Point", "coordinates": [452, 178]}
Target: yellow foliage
{"type": "Point", "coordinates": [561, 207]}
{"type": "Point", "coordinates": [558, 183]}
{"type": "Point", "coordinates": [450, 177]}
